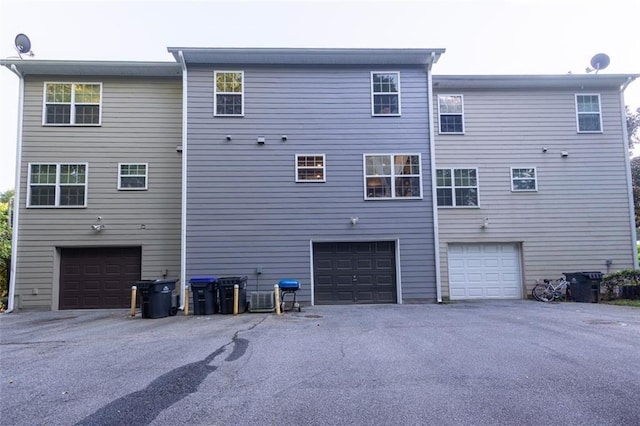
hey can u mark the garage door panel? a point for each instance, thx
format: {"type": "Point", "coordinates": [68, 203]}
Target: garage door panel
{"type": "Point", "coordinates": [487, 270]}
{"type": "Point", "coordinates": [98, 277]}
{"type": "Point", "coordinates": [361, 272]}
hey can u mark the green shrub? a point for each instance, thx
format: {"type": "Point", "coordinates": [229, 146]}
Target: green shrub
{"type": "Point", "coordinates": [612, 282]}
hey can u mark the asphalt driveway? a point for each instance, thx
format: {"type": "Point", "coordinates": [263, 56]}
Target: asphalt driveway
{"type": "Point", "coordinates": [480, 363]}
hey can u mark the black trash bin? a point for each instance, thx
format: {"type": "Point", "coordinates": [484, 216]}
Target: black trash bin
{"type": "Point", "coordinates": [156, 298]}
{"type": "Point", "coordinates": [585, 286]}
{"type": "Point", "coordinates": [225, 290]}
{"type": "Point", "coordinates": [205, 300]}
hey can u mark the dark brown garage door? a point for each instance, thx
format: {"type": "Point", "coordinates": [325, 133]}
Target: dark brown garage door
{"type": "Point", "coordinates": [348, 273]}
{"type": "Point", "coordinates": [98, 278]}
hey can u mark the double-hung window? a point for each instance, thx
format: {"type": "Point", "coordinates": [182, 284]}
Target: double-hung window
{"type": "Point", "coordinates": [457, 187]}
{"type": "Point", "coordinates": [72, 104]}
{"type": "Point", "coordinates": [451, 113]}
{"type": "Point", "coordinates": [132, 176]}
{"type": "Point", "coordinates": [524, 179]}
{"type": "Point", "coordinates": [310, 168]}
{"type": "Point", "coordinates": [389, 176]}
{"type": "Point", "coordinates": [57, 185]}
{"type": "Point", "coordinates": [229, 93]}
{"type": "Point", "coordinates": [588, 115]}
{"type": "Point", "coordinates": [385, 93]}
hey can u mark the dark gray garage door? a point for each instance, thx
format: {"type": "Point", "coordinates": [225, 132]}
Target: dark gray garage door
{"type": "Point", "coordinates": [355, 272]}
{"type": "Point", "coordinates": [98, 277]}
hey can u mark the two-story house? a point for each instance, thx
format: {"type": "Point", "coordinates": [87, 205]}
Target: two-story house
{"type": "Point", "coordinates": [313, 164]}
{"type": "Point", "coordinates": [532, 180]}
{"type": "Point", "coordinates": [98, 194]}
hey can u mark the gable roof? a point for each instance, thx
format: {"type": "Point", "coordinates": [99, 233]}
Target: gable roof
{"type": "Point", "coordinates": [93, 68]}
{"type": "Point", "coordinates": [296, 56]}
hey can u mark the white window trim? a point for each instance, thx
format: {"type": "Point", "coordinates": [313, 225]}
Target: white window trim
{"type": "Point", "coordinates": [216, 93]}
{"type": "Point", "coordinates": [535, 179]}
{"type": "Point", "coordinates": [399, 93]}
{"type": "Point", "coordinates": [578, 113]}
{"type": "Point", "coordinates": [392, 176]}
{"type": "Point", "coordinates": [72, 119]}
{"type": "Point", "coordinates": [440, 114]}
{"type": "Point", "coordinates": [452, 169]}
{"type": "Point", "coordinates": [146, 177]}
{"type": "Point", "coordinates": [324, 168]}
{"type": "Point", "coordinates": [57, 185]}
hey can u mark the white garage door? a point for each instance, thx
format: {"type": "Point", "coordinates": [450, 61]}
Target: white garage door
{"type": "Point", "coordinates": [484, 271]}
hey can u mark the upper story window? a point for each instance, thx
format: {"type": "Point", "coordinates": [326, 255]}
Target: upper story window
{"type": "Point", "coordinates": [523, 179]}
{"type": "Point", "coordinates": [72, 104]}
{"type": "Point", "coordinates": [132, 176]}
{"type": "Point", "coordinates": [57, 185]}
{"type": "Point", "coordinates": [451, 113]}
{"type": "Point", "coordinates": [229, 93]}
{"type": "Point", "coordinates": [310, 168]}
{"type": "Point", "coordinates": [389, 176]}
{"type": "Point", "coordinates": [588, 113]}
{"type": "Point", "coordinates": [385, 93]}
{"type": "Point", "coordinates": [457, 187]}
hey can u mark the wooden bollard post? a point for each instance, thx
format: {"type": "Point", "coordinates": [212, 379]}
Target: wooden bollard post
{"type": "Point", "coordinates": [276, 294]}
{"type": "Point", "coordinates": [186, 301]}
{"type": "Point", "coordinates": [134, 291]}
{"type": "Point", "coordinates": [236, 297]}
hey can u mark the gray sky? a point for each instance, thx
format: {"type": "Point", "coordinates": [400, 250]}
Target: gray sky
{"type": "Point", "coordinates": [481, 36]}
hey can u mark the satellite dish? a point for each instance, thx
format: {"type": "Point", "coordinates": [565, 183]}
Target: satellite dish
{"type": "Point", "coordinates": [23, 45]}
{"type": "Point", "coordinates": [600, 62]}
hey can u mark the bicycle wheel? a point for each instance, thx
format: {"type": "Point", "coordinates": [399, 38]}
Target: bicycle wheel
{"type": "Point", "coordinates": [543, 293]}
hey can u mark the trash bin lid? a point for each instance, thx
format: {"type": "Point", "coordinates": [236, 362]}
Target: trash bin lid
{"type": "Point", "coordinates": [203, 280]}
{"type": "Point", "coordinates": [288, 283]}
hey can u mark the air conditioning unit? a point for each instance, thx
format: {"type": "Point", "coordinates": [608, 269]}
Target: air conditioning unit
{"type": "Point", "coordinates": [262, 301]}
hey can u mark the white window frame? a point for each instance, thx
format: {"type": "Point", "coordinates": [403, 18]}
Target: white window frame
{"type": "Point", "coordinates": [453, 188]}
{"type": "Point", "coordinates": [323, 168]}
{"type": "Point", "coordinates": [392, 175]}
{"type": "Point", "coordinates": [578, 113]}
{"type": "Point", "coordinates": [145, 176]}
{"type": "Point", "coordinates": [374, 94]}
{"type": "Point", "coordinates": [58, 185]}
{"type": "Point", "coordinates": [216, 93]}
{"type": "Point", "coordinates": [440, 113]}
{"type": "Point", "coordinates": [534, 178]}
{"type": "Point", "coordinates": [72, 104]}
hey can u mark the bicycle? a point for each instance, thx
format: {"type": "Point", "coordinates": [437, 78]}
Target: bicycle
{"type": "Point", "coordinates": [550, 290]}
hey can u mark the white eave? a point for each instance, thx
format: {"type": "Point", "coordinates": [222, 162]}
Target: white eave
{"type": "Point", "coordinates": [29, 67]}
{"type": "Point", "coordinates": [561, 81]}
{"type": "Point", "coordinates": [297, 56]}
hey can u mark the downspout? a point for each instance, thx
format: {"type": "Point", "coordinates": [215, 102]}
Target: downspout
{"type": "Point", "coordinates": [183, 213]}
{"type": "Point", "coordinates": [16, 204]}
{"type": "Point", "coordinates": [625, 135]}
{"type": "Point", "coordinates": [434, 197]}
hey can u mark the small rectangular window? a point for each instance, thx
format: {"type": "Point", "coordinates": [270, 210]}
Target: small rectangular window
{"type": "Point", "coordinates": [132, 176]}
{"type": "Point", "coordinates": [57, 185]}
{"type": "Point", "coordinates": [451, 113]}
{"type": "Point", "coordinates": [457, 187]}
{"type": "Point", "coordinates": [523, 179]}
{"type": "Point", "coordinates": [589, 118]}
{"type": "Point", "coordinates": [385, 93]}
{"type": "Point", "coordinates": [229, 93]}
{"type": "Point", "coordinates": [310, 168]}
{"type": "Point", "coordinates": [389, 176]}
{"type": "Point", "coordinates": [72, 104]}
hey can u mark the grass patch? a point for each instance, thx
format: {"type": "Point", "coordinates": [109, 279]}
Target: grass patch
{"type": "Point", "coordinates": [624, 302]}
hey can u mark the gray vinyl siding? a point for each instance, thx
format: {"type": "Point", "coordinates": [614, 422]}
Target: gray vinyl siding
{"type": "Point", "coordinates": [245, 209]}
{"type": "Point", "coordinates": [579, 217]}
{"type": "Point", "coordinates": [141, 123]}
